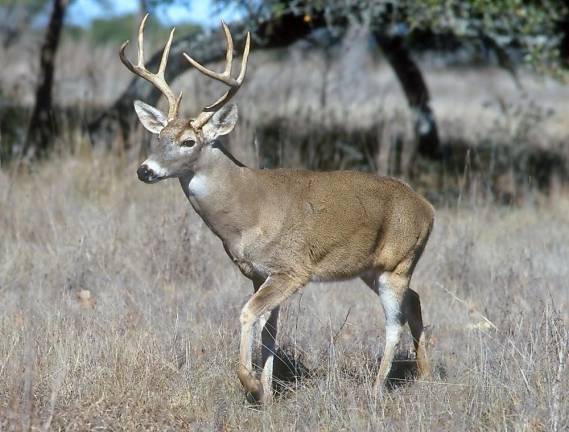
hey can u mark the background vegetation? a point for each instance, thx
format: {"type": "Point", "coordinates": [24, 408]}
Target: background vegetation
{"type": "Point", "coordinates": [118, 307]}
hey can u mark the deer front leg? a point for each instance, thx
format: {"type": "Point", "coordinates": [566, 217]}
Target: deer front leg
{"type": "Point", "coordinates": [268, 351]}
{"type": "Point", "coordinates": [270, 295]}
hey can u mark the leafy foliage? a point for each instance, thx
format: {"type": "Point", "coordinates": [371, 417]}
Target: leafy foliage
{"type": "Point", "coordinates": [533, 26]}
{"type": "Point", "coordinates": [16, 15]}
{"type": "Point", "coordinates": [117, 29]}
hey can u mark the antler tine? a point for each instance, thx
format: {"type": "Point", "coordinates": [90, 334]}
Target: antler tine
{"type": "Point", "coordinates": [229, 52]}
{"type": "Point", "coordinates": [224, 77]}
{"type": "Point", "coordinates": [229, 93]}
{"type": "Point", "coordinates": [141, 41]}
{"type": "Point", "coordinates": [165, 54]}
{"type": "Point", "coordinates": [156, 79]}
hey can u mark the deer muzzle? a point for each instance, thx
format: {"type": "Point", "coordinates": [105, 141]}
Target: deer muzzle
{"type": "Point", "coordinates": [146, 174]}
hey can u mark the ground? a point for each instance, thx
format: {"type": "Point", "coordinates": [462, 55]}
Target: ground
{"type": "Point", "coordinates": [119, 310]}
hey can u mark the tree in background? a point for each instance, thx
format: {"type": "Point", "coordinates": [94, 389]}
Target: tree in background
{"type": "Point", "coordinates": [42, 123]}
{"type": "Point", "coordinates": [529, 29]}
{"type": "Point", "coordinates": [42, 126]}
{"type": "Point", "coordinates": [120, 119]}
{"type": "Point", "coordinates": [16, 15]}
{"type": "Point", "coordinates": [532, 27]}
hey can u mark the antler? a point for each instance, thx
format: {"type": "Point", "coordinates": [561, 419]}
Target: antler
{"type": "Point", "coordinates": [156, 79]}
{"type": "Point", "coordinates": [224, 77]}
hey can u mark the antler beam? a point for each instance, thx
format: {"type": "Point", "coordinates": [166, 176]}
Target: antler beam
{"type": "Point", "coordinates": [224, 77]}
{"type": "Point", "coordinates": [156, 79]}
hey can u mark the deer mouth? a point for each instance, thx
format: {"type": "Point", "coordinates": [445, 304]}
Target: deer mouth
{"type": "Point", "coordinates": [151, 180]}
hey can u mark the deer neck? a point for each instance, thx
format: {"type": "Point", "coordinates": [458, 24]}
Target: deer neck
{"type": "Point", "coordinates": [218, 190]}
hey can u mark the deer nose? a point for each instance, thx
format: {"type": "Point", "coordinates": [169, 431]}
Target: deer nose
{"type": "Point", "coordinates": [144, 173]}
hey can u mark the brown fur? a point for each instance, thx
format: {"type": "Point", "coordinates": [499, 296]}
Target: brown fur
{"type": "Point", "coordinates": [289, 227]}
{"type": "Point", "coordinates": [326, 226]}
{"type": "Point", "coordinates": [285, 228]}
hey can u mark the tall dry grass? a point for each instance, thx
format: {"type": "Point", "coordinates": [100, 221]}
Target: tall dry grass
{"type": "Point", "coordinates": [119, 311]}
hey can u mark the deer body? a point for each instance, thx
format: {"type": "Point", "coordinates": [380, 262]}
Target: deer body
{"type": "Point", "coordinates": [284, 228]}
{"type": "Point", "coordinates": [325, 225]}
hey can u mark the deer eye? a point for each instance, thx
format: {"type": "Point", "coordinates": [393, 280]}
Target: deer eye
{"type": "Point", "coordinates": [188, 143]}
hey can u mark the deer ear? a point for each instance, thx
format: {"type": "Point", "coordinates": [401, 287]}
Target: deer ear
{"type": "Point", "coordinates": [222, 122]}
{"type": "Point", "coordinates": [151, 118]}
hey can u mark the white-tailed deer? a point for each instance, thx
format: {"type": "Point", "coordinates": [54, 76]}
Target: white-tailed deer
{"type": "Point", "coordinates": [284, 228]}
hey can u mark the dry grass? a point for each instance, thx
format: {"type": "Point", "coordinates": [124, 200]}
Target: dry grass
{"type": "Point", "coordinates": [153, 343]}
{"type": "Point", "coordinates": [119, 309]}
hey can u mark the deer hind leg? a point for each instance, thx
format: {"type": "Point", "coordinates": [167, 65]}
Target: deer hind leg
{"type": "Point", "coordinates": [391, 289]}
{"type": "Point", "coordinates": [271, 294]}
{"type": "Point", "coordinates": [412, 310]}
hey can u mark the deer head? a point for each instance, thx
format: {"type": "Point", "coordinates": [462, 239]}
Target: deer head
{"type": "Point", "coordinates": [180, 141]}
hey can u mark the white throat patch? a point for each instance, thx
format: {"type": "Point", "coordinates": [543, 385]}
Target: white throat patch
{"type": "Point", "coordinates": [198, 186]}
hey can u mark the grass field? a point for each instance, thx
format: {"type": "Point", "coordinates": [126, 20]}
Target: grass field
{"type": "Point", "coordinates": [119, 311]}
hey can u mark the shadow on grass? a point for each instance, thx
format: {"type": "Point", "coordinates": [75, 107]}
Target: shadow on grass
{"type": "Point", "coordinates": [403, 371]}
{"type": "Point", "coordinates": [289, 372]}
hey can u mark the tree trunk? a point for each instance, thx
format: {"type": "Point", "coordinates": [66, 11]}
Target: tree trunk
{"type": "Point", "coordinates": [416, 92]}
{"type": "Point", "coordinates": [120, 117]}
{"type": "Point", "coordinates": [41, 129]}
